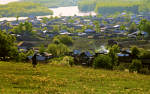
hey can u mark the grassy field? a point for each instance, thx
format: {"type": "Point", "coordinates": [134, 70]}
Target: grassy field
{"type": "Point", "coordinates": [21, 78]}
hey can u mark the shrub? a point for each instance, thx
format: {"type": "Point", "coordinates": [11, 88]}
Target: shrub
{"type": "Point", "coordinates": [136, 65]}
{"type": "Point", "coordinates": [58, 50]}
{"type": "Point", "coordinates": [135, 52]}
{"type": "Point", "coordinates": [144, 71]}
{"type": "Point", "coordinates": [68, 60]}
{"type": "Point", "coordinates": [42, 48]}
{"type": "Point", "coordinates": [63, 61]}
{"type": "Point", "coordinates": [120, 67]}
{"type": "Point", "coordinates": [64, 39]}
{"type": "Point", "coordinates": [145, 55]}
{"type": "Point", "coordinates": [20, 57]}
{"type": "Point", "coordinates": [113, 54]}
{"type": "Point", "coordinates": [103, 61]}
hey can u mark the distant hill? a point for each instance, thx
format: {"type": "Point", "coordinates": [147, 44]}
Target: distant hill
{"type": "Point", "coordinates": [55, 3]}
{"type": "Point", "coordinates": [112, 6]}
{"type": "Point", "coordinates": [23, 9]}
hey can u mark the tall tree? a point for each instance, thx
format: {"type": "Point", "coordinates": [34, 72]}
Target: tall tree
{"type": "Point", "coordinates": [7, 45]}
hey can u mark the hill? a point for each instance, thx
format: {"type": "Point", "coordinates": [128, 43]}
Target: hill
{"type": "Point", "coordinates": [23, 9]}
{"type": "Point", "coordinates": [113, 6]}
{"type": "Point", "coordinates": [21, 78]}
{"type": "Point", "coordinates": [54, 3]}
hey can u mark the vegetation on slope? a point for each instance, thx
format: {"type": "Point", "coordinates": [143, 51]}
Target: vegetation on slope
{"type": "Point", "coordinates": [54, 3]}
{"type": "Point", "coordinates": [112, 6]}
{"type": "Point", "coordinates": [23, 9]}
{"type": "Point", "coordinates": [45, 79]}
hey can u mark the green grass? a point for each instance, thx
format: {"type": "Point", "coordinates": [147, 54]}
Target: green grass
{"type": "Point", "coordinates": [21, 78]}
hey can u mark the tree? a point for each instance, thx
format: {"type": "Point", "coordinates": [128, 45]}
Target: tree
{"type": "Point", "coordinates": [103, 61]}
{"type": "Point", "coordinates": [97, 26]}
{"type": "Point", "coordinates": [122, 27]}
{"type": "Point", "coordinates": [42, 49]}
{"type": "Point", "coordinates": [56, 28]}
{"type": "Point", "coordinates": [135, 52]}
{"type": "Point", "coordinates": [17, 18]}
{"type": "Point", "coordinates": [136, 65]}
{"type": "Point", "coordinates": [7, 45]}
{"type": "Point", "coordinates": [64, 39]}
{"type": "Point", "coordinates": [132, 27]}
{"type": "Point", "coordinates": [23, 28]}
{"type": "Point", "coordinates": [57, 49]}
{"type": "Point", "coordinates": [142, 24]}
{"type": "Point", "coordinates": [28, 27]}
{"type": "Point", "coordinates": [113, 54]}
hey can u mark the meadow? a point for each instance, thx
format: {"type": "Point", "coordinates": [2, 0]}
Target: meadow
{"type": "Point", "coordinates": [21, 78]}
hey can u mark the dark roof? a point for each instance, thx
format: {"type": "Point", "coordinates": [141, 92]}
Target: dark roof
{"type": "Point", "coordinates": [87, 53]}
{"type": "Point", "coordinates": [90, 31]}
{"type": "Point", "coordinates": [76, 52]}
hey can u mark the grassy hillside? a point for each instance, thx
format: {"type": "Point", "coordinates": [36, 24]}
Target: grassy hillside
{"type": "Point", "coordinates": [54, 3]}
{"type": "Point", "coordinates": [112, 6]}
{"type": "Point", "coordinates": [21, 78]}
{"type": "Point", "coordinates": [23, 9]}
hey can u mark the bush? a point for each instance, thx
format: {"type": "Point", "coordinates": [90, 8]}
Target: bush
{"type": "Point", "coordinates": [63, 61]}
{"type": "Point", "coordinates": [120, 67]}
{"type": "Point", "coordinates": [136, 65]}
{"type": "Point", "coordinates": [144, 71]}
{"type": "Point", "coordinates": [145, 55]}
{"type": "Point", "coordinates": [103, 61]}
{"type": "Point", "coordinates": [58, 50]}
{"type": "Point", "coordinates": [64, 39]}
{"type": "Point", "coordinates": [135, 52]}
{"type": "Point", "coordinates": [21, 57]}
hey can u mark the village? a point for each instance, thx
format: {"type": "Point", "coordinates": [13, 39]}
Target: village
{"type": "Point", "coordinates": [91, 34]}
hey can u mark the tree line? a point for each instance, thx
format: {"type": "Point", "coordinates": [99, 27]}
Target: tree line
{"type": "Point", "coordinates": [54, 3]}
{"type": "Point", "coordinates": [112, 6]}
{"type": "Point", "coordinates": [23, 9]}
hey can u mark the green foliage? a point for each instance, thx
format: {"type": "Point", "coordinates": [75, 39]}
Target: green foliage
{"type": "Point", "coordinates": [54, 3]}
{"type": "Point", "coordinates": [7, 45]}
{"type": "Point", "coordinates": [63, 61]}
{"type": "Point", "coordinates": [144, 26]}
{"type": "Point", "coordinates": [136, 65]}
{"type": "Point", "coordinates": [112, 6]}
{"type": "Point", "coordinates": [97, 26]}
{"type": "Point", "coordinates": [57, 49]}
{"type": "Point", "coordinates": [113, 54]}
{"type": "Point", "coordinates": [64, 39]}
{"type": "Point", "coordinates": [145, 54]}
{"type": "Point", "coordinates": [56, 28]}
{"type": "Point", "coordinates": [120, 67]}
{"type": "Point", "coordinates": [30, 53]}
{"type": "Point", "coordinates": [42, 49]}
{"type": "Point", "coordinates": [144, 71]}
{"type": "Point", "coordinates": [132, 27]}
{"type": "Point", "coordinates": [122, 27]}
{"type": "Point", "coordinates": [135, 52]}
{"type": "Point", "coordinates": [21, 57]}
{"type": "Point", "coordinates": [103, 61]}
{"type": "Point", "coordinates": [23, 28]}
{"type": "Point", "coordinates": [23, 9]}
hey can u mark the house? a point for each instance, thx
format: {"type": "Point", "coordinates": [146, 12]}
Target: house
{"type": "Point", "coordinates": [89, 31]}
{"type": "Point", "coordinates": [135, 34]}
{"type": "Point", "coordinates": [125, 56]}
{"type": "Point", "coordinates": [64, 32]}
{"type": "Point", "coordinates": [112, 42]}
{"type": "Point", "coordinates": [31, 17]}
{"type": "Point", "coordinates": [76, 52]}
{"type": "Point", "coordinates": [24, 46]}
{"type": "Point", "coordinates": [82, 34]}
{"type": "Point", "coordinates": [116, 26]}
